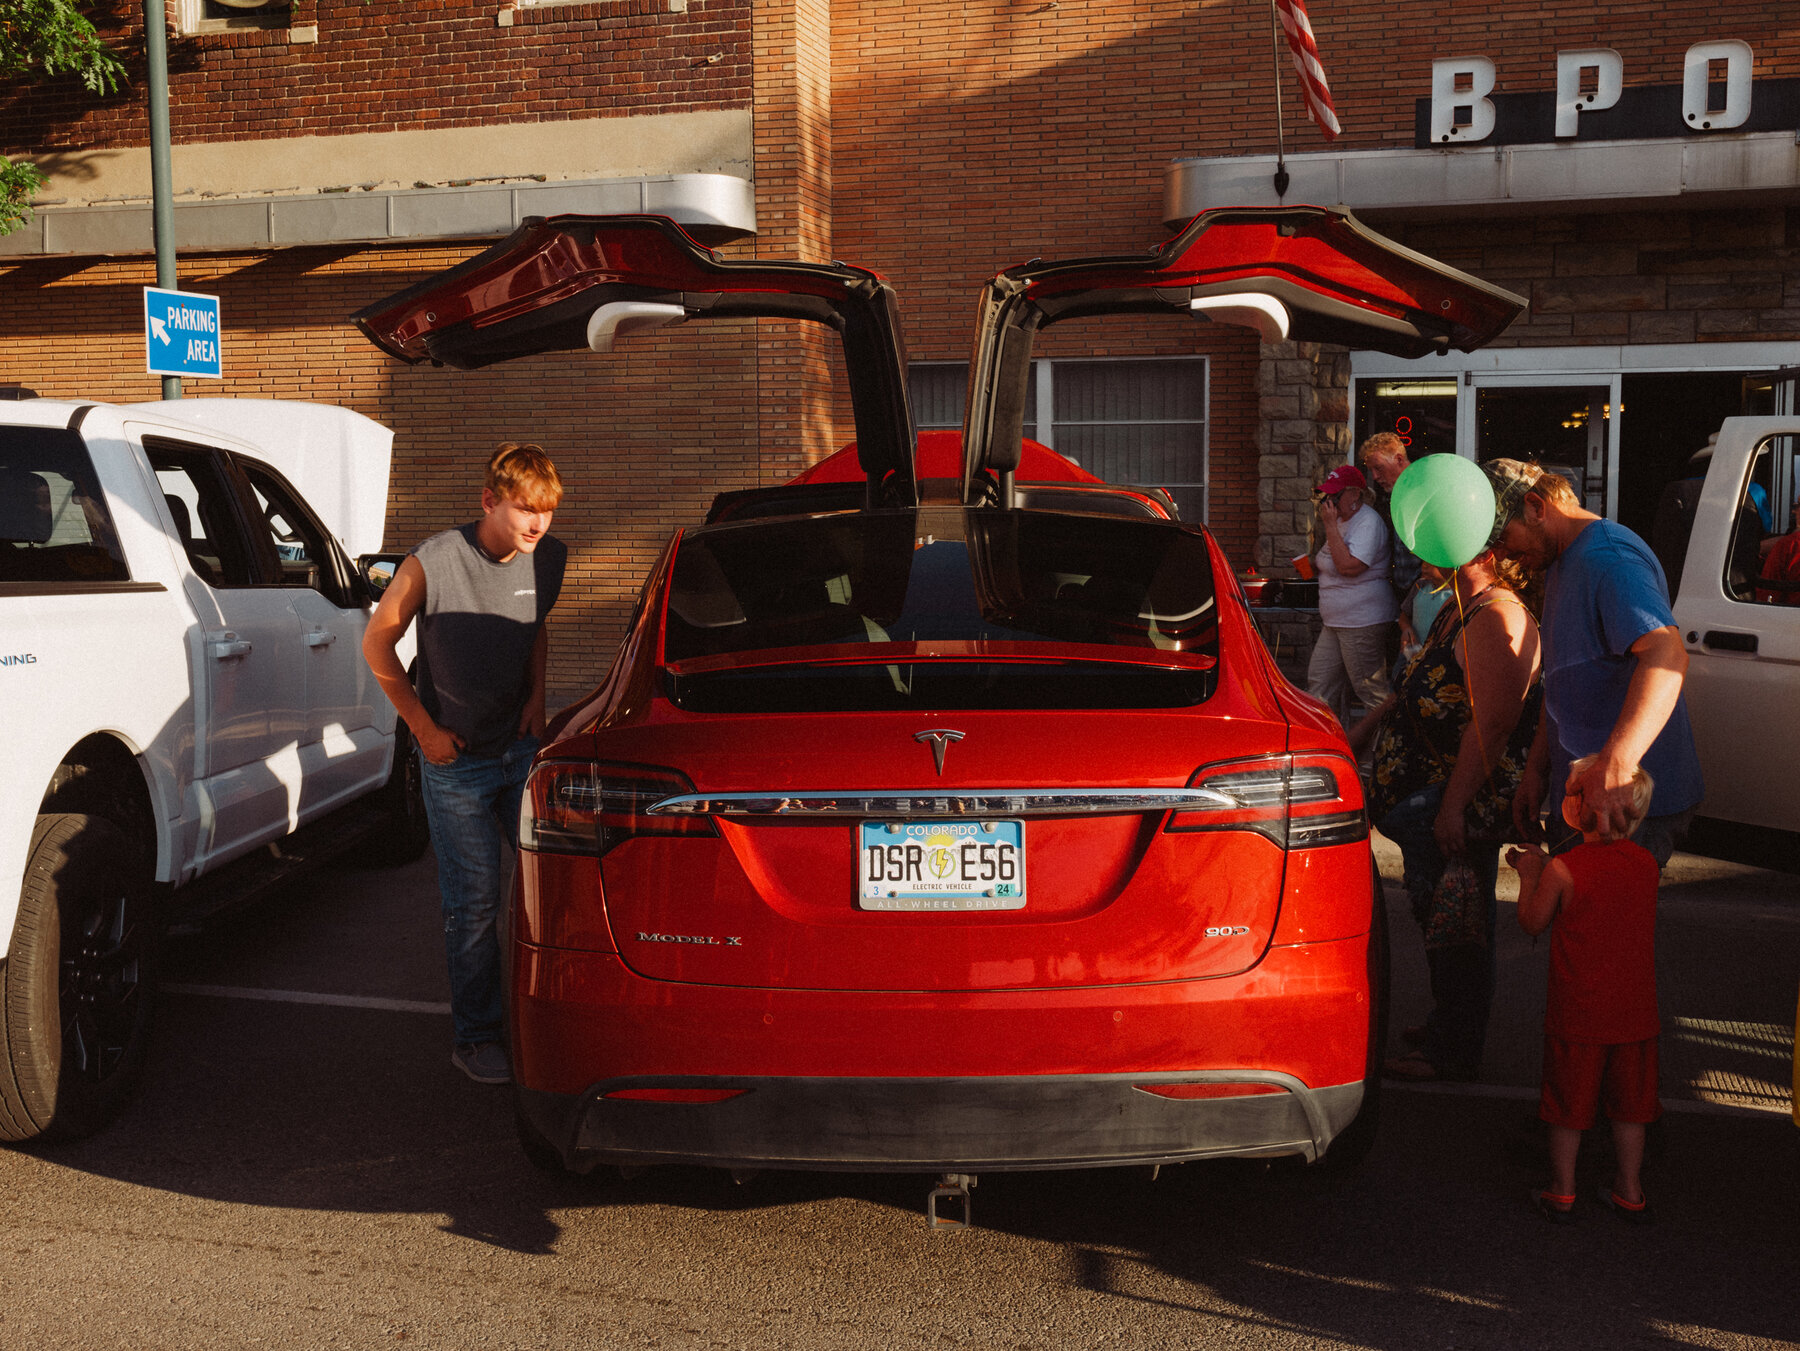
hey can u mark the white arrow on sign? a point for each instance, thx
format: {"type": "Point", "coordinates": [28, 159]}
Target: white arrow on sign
{"type": "Point", "coordinates": [156, 327]}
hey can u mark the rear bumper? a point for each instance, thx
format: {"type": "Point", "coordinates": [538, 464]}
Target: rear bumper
{"type": "Point", "coordinates": [939, 1125]}
{"type": "Point", "coordinates": [919, 1081]}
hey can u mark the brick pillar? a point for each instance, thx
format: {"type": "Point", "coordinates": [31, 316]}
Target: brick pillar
{"type": "Point", "coordinates": [800, 421]}
{"type": "Point", "coordinates": [1303, 389]}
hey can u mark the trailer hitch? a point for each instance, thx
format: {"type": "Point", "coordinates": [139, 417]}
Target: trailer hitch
{"type": "Point", "coordinates": [954, 1187]}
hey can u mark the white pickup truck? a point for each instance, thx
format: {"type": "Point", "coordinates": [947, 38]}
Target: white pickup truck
{"type": "Point", "coordinates": [183, 704]}
{"type": "Point", "coordinates": [1719, 540]}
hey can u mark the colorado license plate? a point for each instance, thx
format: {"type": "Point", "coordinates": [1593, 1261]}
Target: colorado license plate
{"type": "Point", "coordinates": [941, 865]}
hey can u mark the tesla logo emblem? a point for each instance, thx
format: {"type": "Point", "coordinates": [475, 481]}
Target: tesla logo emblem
{"type": "Point", "coordinates": [940, 739]}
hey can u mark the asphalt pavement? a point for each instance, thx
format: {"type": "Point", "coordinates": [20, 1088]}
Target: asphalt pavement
{"type": "Point", "coordinates": [304, 1168]}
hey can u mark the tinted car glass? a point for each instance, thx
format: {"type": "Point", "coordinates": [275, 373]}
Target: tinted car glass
{"type": "Point", "coordinates": [54, 522]}
{"type": "Point", "coordinates": [942, 609]}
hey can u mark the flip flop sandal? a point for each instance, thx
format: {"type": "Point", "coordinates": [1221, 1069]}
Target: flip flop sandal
{"type": "Point", "coordinates": [1556, 1209]}
{"type": "Point", "coordinates": [1638, 1214]}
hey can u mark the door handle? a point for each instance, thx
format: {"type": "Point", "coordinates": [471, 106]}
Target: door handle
{"type": "Point", "coordinates": [227, 648]}
{"type": "Point", "coordinates": [321, 638]}
{"type": "Point", "coordinates": [1730, 642]}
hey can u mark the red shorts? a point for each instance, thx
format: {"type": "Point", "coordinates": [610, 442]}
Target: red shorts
{"type": "Point", "coordinates": [1576, 1071]}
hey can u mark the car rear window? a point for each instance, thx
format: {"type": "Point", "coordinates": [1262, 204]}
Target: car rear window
{"type": "Point", "coordinates": [941, 608]}
{"type": "Point", "coordinates": [54, 522]}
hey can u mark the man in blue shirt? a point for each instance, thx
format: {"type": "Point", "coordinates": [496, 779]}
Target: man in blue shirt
{"type": "Point", "coordinates": [1614, 663]}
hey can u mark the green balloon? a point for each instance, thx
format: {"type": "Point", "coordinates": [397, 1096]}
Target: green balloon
{"type": "Point", "coordinates": [1443, 509]}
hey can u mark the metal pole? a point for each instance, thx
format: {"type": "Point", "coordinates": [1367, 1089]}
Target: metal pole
{"type": "Point", "coordinates": [162, 193]}
{"type": "Point", "coordinates": [1281, 173]}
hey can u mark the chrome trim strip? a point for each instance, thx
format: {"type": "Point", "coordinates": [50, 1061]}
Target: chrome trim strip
{"type": "Point", "coordinates": [965, 802]}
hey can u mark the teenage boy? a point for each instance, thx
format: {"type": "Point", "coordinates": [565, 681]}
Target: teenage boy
{"type": "Point", "coordinates": [1600, 1024]}
{"type": "Point", "coordinates": [481, 594]}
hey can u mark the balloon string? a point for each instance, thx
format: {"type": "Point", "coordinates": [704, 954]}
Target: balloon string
{"type": "Point", "coordinates": [1468, 677]}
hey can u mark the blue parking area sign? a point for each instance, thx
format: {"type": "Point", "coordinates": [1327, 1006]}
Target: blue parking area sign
{"type": "Point", "coordinates": [181, 333]}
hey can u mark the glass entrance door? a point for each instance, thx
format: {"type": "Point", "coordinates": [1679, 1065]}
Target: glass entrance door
{"type": "Point", "coordinates": [1569, 428]}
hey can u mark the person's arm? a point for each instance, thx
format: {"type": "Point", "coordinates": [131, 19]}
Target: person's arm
{"type": "Point", "coordinates": [1500, 657]}
{"type": "Point", "coordinates": [1363, 733]}
{"type": "Point", "coordinates": [1649, 700]}
{"type": "Point", "coordinates": [533, 720]}
{"type": "Point", "coordinates": [1346, 563]}
{"type": "Point", "coordinates": [400, 605]}
{"type": "Point", "coordinates": [1544, 884]}
{"type": "Point", "coordinates": [1534, 783]}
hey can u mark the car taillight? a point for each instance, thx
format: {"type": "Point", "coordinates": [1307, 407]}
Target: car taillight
{"type": "Point", "coordinates": [1298, 801]}
{"type": "Point", "coordinates": [588, 807]}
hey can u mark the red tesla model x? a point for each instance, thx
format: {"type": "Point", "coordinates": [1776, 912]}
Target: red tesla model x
{"type": "Point", "coordinates": [945, 813]}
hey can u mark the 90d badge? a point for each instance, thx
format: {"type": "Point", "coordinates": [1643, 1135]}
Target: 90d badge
{"type": "Point", "coordinates": [1216, 931]}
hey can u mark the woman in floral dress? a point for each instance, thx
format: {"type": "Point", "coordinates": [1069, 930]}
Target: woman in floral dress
{"type": "Point", "coordinates": [1454, 739]}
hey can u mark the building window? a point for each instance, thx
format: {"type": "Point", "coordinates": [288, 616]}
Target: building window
{"type": "Point", "coordinates": [226, 16]}
{"type": "Point", "coordinates": [1141, 422]}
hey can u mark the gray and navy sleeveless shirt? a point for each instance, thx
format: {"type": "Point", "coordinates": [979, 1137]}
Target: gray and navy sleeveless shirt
{"type": "Point", "coordinates": [477, 630]}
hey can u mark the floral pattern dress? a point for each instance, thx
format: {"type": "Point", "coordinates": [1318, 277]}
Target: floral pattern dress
{"type": "Point", "coordinates": [1421, 736]}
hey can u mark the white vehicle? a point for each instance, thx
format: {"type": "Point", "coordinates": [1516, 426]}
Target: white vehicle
{"type": "Point", "coordinates": [183, 702]}
{"type": "Point", "coordinates": [1742, 632]}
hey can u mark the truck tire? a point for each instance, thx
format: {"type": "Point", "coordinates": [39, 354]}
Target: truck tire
{"type": "Point", "coordinates": [402, 838]}
{"type": "Point", "coordinates": [75, 987]}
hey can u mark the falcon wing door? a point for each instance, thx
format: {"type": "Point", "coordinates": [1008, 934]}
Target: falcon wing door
{"type": "Point", "coordinates": [1308, 273]}
{"type": "Point", "coordinates": [564, 283]}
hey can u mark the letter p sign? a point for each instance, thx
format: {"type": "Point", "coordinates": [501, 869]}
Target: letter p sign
{"type": "Point", "coordinates": [1575, 94]}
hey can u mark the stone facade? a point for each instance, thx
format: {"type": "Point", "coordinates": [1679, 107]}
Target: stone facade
{"type": "Point", "coordinates": [1303, 390]}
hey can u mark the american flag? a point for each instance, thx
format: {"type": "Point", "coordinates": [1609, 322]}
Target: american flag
{"type": "Point", "coordinates": [1306, 60]}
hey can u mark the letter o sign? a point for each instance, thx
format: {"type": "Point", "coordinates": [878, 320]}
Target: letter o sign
{"type": "Point", "coordinates": [1697, 111]}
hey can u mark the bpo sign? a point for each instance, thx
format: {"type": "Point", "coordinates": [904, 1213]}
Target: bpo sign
{"type": "Point", "coordinates": [1589, 80]}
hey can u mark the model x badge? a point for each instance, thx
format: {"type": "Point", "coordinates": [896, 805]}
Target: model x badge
{"type": "Point", "coordinates": [940, 739]}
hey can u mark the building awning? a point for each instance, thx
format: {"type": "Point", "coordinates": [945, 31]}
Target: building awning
{"type": "Point", "coordinates": [1694, 171]}
{"type": "Point", "coordinates": [713, 208]}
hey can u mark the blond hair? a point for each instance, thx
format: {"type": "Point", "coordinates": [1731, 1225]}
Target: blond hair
{"type": "Point", "coordinates": [1381, 446]}
{"type": "Point", "coordinates": [1641, 788]}
{"type": "Point", "coordinates": [522, 472]}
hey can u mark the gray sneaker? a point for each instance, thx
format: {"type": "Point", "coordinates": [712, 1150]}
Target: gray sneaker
{"type": "Point", "coordinates": [485, 1063]}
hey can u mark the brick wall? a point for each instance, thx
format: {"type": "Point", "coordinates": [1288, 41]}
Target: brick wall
{"type": "Point", "coordinates": [1634, 277]}
{"type": "Point", "coordinates": [380, 65]}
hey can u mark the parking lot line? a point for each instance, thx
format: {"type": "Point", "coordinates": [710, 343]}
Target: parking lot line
{"type": "Point", "coordinates": [347, 1001]}
{"type": "Point", "coordinates": [1521, 1094]}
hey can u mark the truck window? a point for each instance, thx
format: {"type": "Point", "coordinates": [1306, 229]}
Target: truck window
{"type": "Point", "coordinates": [301, 545]}
{"type": "Point", "coordinates": [54, 523]}
{"type": "Point", "coordinates": [1769, 500]}
{"type": "Point", "coordinates": [199, 499]}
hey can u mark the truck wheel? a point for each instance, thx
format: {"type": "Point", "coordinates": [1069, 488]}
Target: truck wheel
{"type": "Point", "coordinates": [75, 987]}
{"type": "Point", "coordinates": [403, 836]}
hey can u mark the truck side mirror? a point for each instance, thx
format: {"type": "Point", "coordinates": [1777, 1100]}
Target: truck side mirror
{"type": "Point", "coordinates": [377, 570]}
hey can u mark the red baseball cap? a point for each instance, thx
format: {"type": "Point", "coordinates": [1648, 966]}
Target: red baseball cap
{"type": "Point", "coordinates": [1344, 476]}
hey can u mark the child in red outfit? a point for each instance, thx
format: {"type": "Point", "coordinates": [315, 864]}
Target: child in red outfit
{"type": "Point", "coordinates": [1601, 1025]}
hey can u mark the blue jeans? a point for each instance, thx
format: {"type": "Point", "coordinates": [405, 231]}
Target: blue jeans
{"type": "Point", "coordinates": [473, 806]}
{"type": "Point", "coordinates": [1462, 974]}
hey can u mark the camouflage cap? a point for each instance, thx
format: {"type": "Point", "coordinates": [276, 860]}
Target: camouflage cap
{"type": "Point", "coordinates": [1511, 480]}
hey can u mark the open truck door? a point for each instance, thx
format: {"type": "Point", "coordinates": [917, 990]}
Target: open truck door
{"type": "Point", "coordinates": [1315, 274]}
{"type": "Point", "coordinates": [563, 283]}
